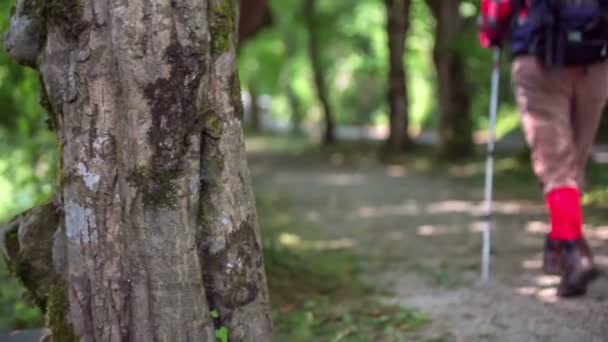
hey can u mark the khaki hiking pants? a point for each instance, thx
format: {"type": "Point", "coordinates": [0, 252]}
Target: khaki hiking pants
{"type": "Point", "coordinates": [561, 110]}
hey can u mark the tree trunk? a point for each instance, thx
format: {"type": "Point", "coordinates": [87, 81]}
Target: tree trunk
{"type": "Point", "coordinates": [314, 52]}
{"type": "Point", "coordinates": [291, 50]}
{"type": "Point", "coordinates": [398, 12]}
{"type": "Point", "coordinates": [256, 16]}
{"type": "Point", "coordinates": [158, 223]}
{"type": "Point", "coordinates": [455, 128]}
{"type": "Point", "coordinates": [256, 119]}
{"type": "Point", "coordinates": [296, 111]}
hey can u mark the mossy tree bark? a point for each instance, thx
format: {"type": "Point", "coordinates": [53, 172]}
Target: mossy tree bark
{"type": "Point", "coordinates": [398, 13]}
{"type": "Point", "coordinates": [157, 225]}
{"type": "Point", "coordinates": [455, 123]}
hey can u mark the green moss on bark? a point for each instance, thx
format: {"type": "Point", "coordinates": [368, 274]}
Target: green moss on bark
{"type": "Point", "coordinates": [63, 14]}
{"type": "Point", "coordinates": [235, 96]}
{"type": "Point", "coordinates": [57, 312]}
{"type": "Point", "coordinates": [157, 186]}
{"type": "Point", "coordinates": [45, 102]}
{"type": "Point", "coordinates": [213, 125]}
{"type": "Point", "coordinates": [223, 28]}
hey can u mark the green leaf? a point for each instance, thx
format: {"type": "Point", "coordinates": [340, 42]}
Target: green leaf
{"type": "Point", "coordinates": [222, 334]}
{"type": "Point", "coordinates": [215, 314]}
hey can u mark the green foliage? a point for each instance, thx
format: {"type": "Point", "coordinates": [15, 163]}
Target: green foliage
{"type": "Point", "coordinates": [222, 334]}
{"type": "Point", "coordinates": [16, 310]}
{"type": "Point", "coordinates": [214, 314]}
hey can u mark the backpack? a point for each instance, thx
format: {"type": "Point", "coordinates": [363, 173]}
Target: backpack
{"type": "Point", "coordinates": [494, 21]}
{"type": "Point", "coordinates": [563, 32]}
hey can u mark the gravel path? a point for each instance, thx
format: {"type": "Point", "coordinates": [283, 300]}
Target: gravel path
{"type": "Point", "coordinates": [421, 240]}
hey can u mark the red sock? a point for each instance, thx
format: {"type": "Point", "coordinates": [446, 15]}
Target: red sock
{"type": "Point", "coordinates": [565, 210]}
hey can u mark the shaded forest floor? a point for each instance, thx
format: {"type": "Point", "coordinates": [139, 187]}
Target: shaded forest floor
{"type": "Point", "coordinates": [406, 232]}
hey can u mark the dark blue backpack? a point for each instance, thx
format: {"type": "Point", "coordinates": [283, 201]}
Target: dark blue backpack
{"type": "Point", "coordinates": [563, 32]}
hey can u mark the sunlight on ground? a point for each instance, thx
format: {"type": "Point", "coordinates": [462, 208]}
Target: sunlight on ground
{"type": "Point", "coordinates": [427, 230]}
{"type": "Point", "coordinates": [532, 264]}
{"type": "Point", "coordinates": [477, 227]}
{"type": "Point", "coordinates": [343, 179]}
{"type": "Point", "coordinates": [434, 230]}
{"type": "Point", "coordinates": [600, 233]}
{"type": "Point", "coordinates": [451, 206]}
{"type": "Point", "coordinates": [601, 261]}
{"type": "Point", "coordinates": [548, 295]}
{"type": "Point", "coordinates": [396, 171]}
{"type": "Point", "coordinates": [527, 290]}
{"type": "Point", "coordinates": [412, 208]}
{"type": "Point", "coordinates": [537, 227]}
{"type": "Point", "coordinates": [544, 293]}
{"type": "Point", "coordinates": [477, 208]}
{"type": "Point", "coordinates": [295, 241]}
{"type": "Point", "coordinates": [547, 280]}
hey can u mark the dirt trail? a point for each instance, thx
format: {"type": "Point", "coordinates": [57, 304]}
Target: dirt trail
{"type": "Point", "coordinates": [421, 240]}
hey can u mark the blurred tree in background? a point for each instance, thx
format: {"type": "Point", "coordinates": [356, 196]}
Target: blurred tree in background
{"type": "Point", "coordinates": [397, 26]}
{"type": "Point", "coordinates": [454, 94]}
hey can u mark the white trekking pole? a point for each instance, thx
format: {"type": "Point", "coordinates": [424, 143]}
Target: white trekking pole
{"type": "Point", "coordinates": [485, 254]}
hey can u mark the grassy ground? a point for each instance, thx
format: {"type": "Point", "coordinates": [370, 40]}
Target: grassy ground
{"type": "Point", "coordinates": [315, 291]}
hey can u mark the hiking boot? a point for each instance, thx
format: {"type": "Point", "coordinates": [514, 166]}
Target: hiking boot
{"type": "Point", "coordinates": [552, 257]}
{"type": "Point", "coordinates": [577, 267]}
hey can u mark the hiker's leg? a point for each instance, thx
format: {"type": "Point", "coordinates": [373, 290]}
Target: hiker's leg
{"type": "Point", "coordinates": [591, 93]}
{"type": "Point", "coordinates": [544, 97]}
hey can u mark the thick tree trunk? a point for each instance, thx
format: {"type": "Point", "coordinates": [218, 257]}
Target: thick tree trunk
{"type": "Point", "coordinates": [454, 94]}
{"type": "Point", "coordinates": [158, 225]}
{"type": "Point", "coordinates": [398, 12]}
{"type": "Point", "coordinates": [256, 119]}
{"type": "Point", "coordinates": [314, 52]}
